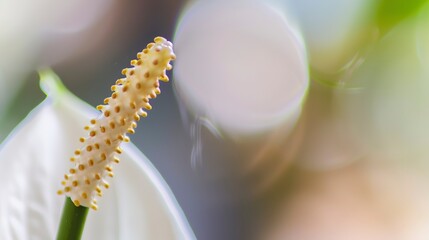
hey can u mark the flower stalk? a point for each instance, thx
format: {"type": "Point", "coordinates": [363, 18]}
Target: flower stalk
{"type": "Point", "coordinates": [72, 221]}
{"type": "Point", "coordinates": [93, 162]}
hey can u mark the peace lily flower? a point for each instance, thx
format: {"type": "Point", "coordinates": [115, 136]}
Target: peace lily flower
{"type": "Point", "coordinates": [138, 205]}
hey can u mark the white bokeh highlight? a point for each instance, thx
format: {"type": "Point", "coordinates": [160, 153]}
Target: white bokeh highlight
{"type": "Point", "coordinates": [240, 65]}
{"type": "Point", "coordinates": [39, 33]}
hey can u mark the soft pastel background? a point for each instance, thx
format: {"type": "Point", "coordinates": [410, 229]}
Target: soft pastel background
{"type": "Point", "coordinates": [354, 165]}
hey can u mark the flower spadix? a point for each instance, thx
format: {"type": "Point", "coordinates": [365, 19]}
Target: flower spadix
{"type": "Point", "coordinates": [93, 162]}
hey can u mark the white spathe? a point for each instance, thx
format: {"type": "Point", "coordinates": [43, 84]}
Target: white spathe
{"type": "Point", "coordinates": [139, 204]}
{"type": "Point", "coordinates": [240, 65]}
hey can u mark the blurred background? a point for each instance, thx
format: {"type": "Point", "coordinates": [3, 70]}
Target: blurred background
{"type": "Point", "coordinates": [284, 119]}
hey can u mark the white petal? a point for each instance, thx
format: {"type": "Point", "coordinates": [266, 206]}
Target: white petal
{"type": "Point", "coordinates": [139, 205]}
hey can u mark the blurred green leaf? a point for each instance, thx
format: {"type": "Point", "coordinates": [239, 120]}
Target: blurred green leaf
{"type": "Point", "coordinates": [391, 12]}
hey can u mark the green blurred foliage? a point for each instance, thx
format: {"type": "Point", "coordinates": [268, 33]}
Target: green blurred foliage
{"type": "Point", "coordinates": [388, 16]}
{"type": "Point", "coordinates": [391, 12]}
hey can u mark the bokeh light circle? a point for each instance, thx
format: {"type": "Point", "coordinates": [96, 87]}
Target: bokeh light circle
{"type": "Point", "coordinates": [241, 65]}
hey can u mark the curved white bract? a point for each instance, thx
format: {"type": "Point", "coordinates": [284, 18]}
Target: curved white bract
{"type": "Point", "coordinates": [138, 205]}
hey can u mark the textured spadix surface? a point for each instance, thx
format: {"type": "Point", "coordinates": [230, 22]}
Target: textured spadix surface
{"type": "Point", "coordinates": [138, 205]}
{"type": "Point", "coordinates": [94, 160]}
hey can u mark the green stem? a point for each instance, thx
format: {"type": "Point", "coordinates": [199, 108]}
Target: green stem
{"type": "Point", "coordinates": [72, 221]}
